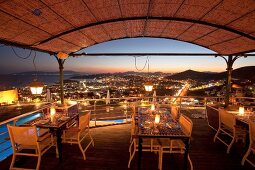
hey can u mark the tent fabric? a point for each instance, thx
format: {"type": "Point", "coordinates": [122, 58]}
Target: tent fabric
{"type": "Point", "coordinates": [224, 26]}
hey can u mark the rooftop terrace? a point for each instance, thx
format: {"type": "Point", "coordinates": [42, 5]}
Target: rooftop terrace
{"type": "Point", "coordinates": [111, 152]}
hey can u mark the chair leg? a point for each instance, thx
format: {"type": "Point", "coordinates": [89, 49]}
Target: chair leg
{"type": "Point", "coordinates": [38, 162]}
{"type": "Point", "coordinates": [93, 143]}
{"type": "Point", "coordinates": [57, 154]}
{"type": "Point", "coordinates": [131, 154]}
{"type": "Point", "coordinates": [230, 145]}
{"type": "Point", "coordinates": [160, 160]}
{"type": "Point", "coordinates": [53, 142]}
{"type": "Point", "coordinates": [216, 135]}
{"type": "Point", "coordinates": [82, 151]}
{"type": "Point", "coordinates": [246, 155]}
{"type": "Point", "coordinates": [13, 161]}
{"type": "Point", "coordinates": [190, 162]}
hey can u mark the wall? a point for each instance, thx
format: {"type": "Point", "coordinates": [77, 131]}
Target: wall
{"type": "Point", "coordinates": [9, 96]}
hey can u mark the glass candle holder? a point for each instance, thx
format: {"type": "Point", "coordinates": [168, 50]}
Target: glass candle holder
{"type": "Point", "coordinates": [241, 110]}
{"type": "Point", "coordinates": [157, 119]}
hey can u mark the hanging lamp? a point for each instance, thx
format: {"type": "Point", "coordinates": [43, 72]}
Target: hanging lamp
{"type": "Point", "coordinates": [36, 87]}
{"type": "Point", "coordinates": [148, 85]}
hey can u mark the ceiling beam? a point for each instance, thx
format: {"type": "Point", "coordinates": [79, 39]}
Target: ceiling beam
{"type": "Point", "coordinates": [15, 44]}
{"type": "Point", "coordinates": [154, 54]}
{"type": "Point", "coordinates": [244, 52]}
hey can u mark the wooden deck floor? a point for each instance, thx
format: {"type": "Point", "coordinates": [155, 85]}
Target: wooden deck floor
{"type": "Point", "coordinates": [111, 153]}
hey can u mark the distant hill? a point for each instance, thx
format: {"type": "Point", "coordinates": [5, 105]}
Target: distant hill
{"type": "Point", "coordinates": [67, 72]}
{"type": "Point", "coordinates": [245, 73]}
{"type": "Point", "coordinates": [240, 73]}
{"type": "Point", "coordinates": [195, 75]}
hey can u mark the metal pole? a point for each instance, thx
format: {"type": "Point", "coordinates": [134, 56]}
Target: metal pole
{"type": "Point", "coordinates": [230, 62]}
{"type": "Point", "coordinates": [61, 78]}
{"type": "Point", "coordinates": [153, 54]}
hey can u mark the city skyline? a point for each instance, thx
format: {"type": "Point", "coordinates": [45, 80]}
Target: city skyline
{"type": "Point", "coordinates": [109, 64]}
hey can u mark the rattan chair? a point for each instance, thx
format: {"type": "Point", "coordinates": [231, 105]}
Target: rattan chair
{"type": "Point", "coordinates": [176, 145]}
{"type": "Point", "coordinates": [76, 135]}
{"type": "Point", "coordinates": [251, 145]}
{"type": "Point", "coordinates": [227, 126]}
{"type": "Point", "coordinates": [26, 141]}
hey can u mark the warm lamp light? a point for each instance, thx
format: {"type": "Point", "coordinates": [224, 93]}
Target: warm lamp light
{"type": "Point", "coordinates": [152, 107]}
{"type": "Point", "coordinates": [157, 118]}
{"type": "Point", "coordinates": [241, 110]}
{"type": "Point", "coordinates": [107, 109]}
{"type": "Point", "coordinates": [148, 86]}
{"type": "Point", "coordinates": [36, 87]}
{"type": "Point", "coordinates": [62, 55]}
{"type": "Point", "coordinates": [52, 113]}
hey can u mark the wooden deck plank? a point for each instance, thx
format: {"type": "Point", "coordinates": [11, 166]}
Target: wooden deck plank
{"type": "Point", "coordinates": [111, 153]}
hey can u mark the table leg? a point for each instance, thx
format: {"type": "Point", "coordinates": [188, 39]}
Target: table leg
{"type": "Point", "coordinates": [140, 141]}
{"type": "Point", "coordinates": [59, 143]}
{"type": "Point", "coordinates": [186, 141]}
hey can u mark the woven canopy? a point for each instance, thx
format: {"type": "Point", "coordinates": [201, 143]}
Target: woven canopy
{"type": "Point", "coordinates": [224, 26]}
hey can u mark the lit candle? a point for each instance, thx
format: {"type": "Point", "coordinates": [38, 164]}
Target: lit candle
{"type": "Point", "coordinates": [241, 110]}
{"type": "Point", "coordinates": [107, 108]}
{"type": "Point", "coordinates": [157, 118]}
{"type": "Point", "coordinates": [152, 107]}
{"type": "Point", "coordinates": [52, 113]}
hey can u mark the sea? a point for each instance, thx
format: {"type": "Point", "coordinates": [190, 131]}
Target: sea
{"type": "Point", "coordinates": [8, 81]}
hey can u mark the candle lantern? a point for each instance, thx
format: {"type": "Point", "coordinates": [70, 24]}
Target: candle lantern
{"type": "Point", "coordinates": [241, 110]}
{"type": "Point", "coordinates": [157, 118]}
{"type": "Point", "coordinates": [152, 107]}
{"type": "Point", "coordinates": [52, 113]}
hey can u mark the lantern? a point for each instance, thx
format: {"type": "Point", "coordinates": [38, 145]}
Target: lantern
{"type": "Point", "coordinates": [241, 110]}
{"type": "Point", "coordinates": [157, 118]}
{"type": "Point", "coordinates": [36, 88]}
{"type": "Point", "coordinates": [52, 113]}
{"type": "Point", "coordinates": [148, 86]}
{"type": "Point", "coordinates": [152, 107]}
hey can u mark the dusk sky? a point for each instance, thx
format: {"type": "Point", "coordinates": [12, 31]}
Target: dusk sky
{"type": "Point", "coordinates": [44, 62]}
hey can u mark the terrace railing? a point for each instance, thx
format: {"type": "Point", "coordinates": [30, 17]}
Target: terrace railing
{"type": "Point", "coordinates": [119, 110]}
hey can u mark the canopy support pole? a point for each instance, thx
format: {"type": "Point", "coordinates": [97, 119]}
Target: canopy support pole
{"type": "Point", "coordinates": [229, 61]}
{"type": "Point", "coordinates": [61, 78]}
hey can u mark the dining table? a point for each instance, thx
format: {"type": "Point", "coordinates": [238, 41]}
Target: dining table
{"type": "Point", "coordinates": [242, 120]}
{"type": "Point", "coordinates": [56, 126]}
{"type": "Point", "coordinates": [166, 127]}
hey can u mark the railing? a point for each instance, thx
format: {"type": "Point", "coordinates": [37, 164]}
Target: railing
{"type": "Point", "coordinates": [121, 109]}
